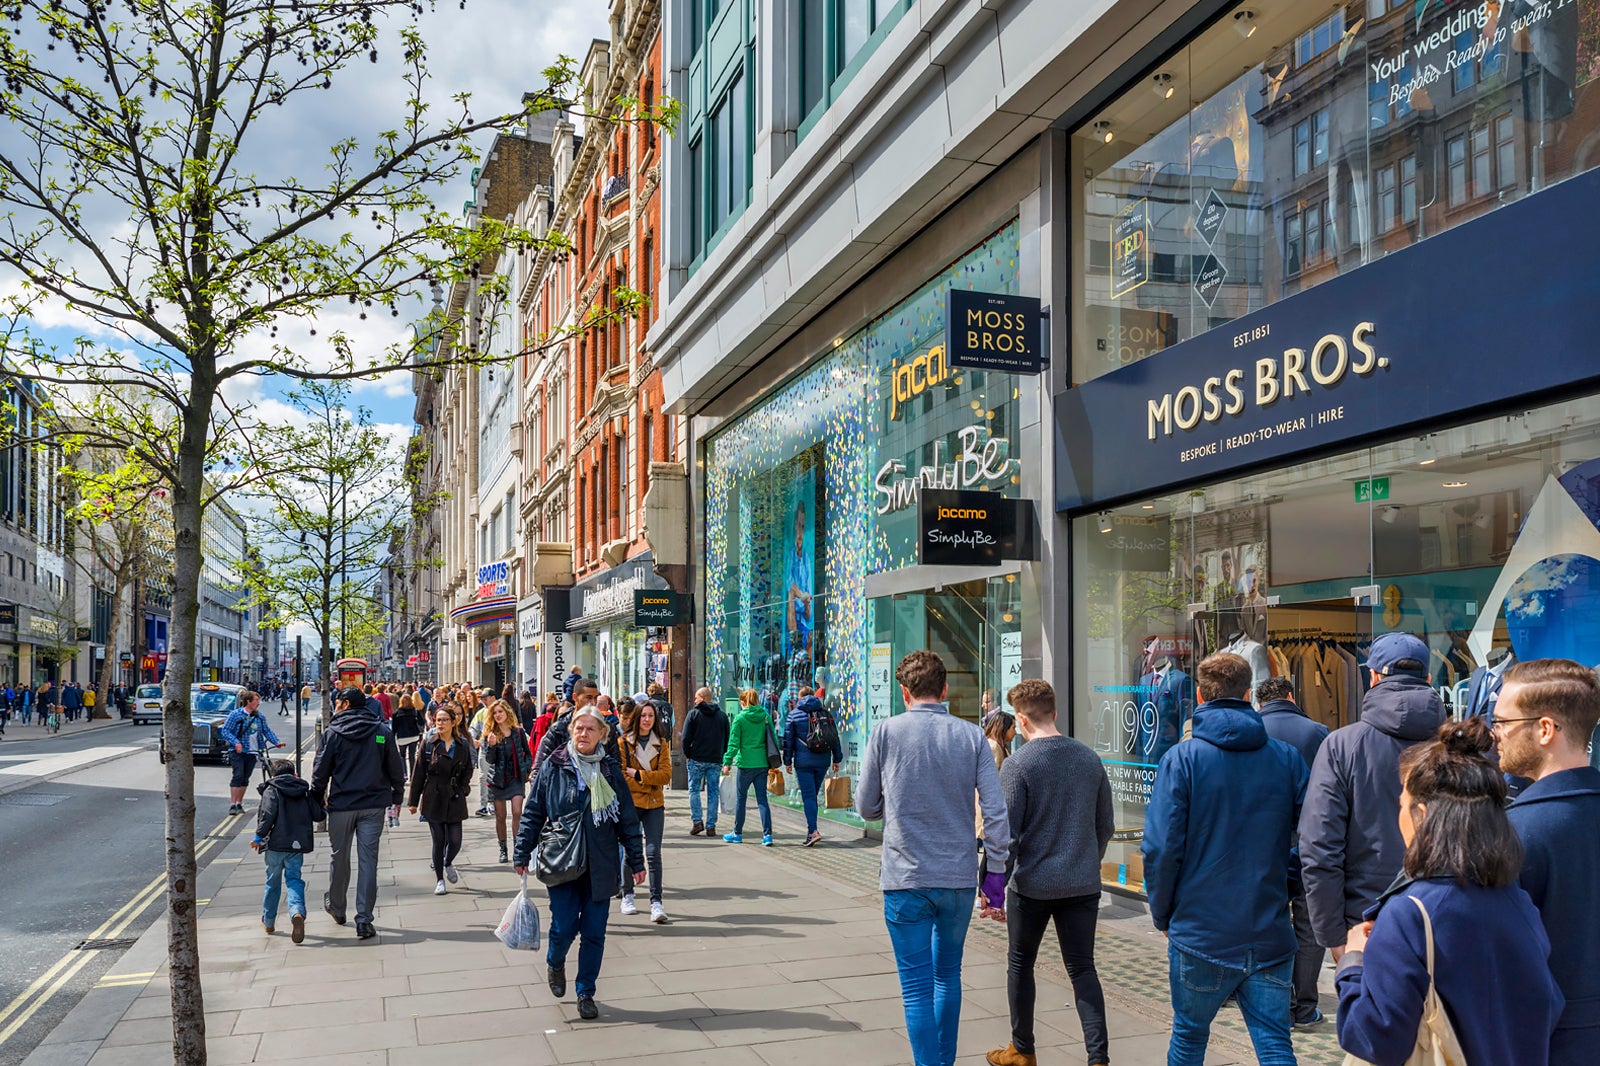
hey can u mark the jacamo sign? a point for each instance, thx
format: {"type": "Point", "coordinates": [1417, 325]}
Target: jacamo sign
{"type": "Point", "coordinates": [915, 376]}
{"type": "Point", "coordinates": [1392, 349]}
{"type": "Point", "coordinates": [974, 529]}
{"type": "Point", "coordinates": [659, 607]}
{"type": "Point", "coordinates": [994, 331]}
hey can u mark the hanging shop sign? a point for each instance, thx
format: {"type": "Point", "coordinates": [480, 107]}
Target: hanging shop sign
{"type": "Point", "coordinates": [975, 529]}
{"type": "Point", "coordinates": [1392, 347]}
{"type": "Point", "coordinates": [494, 579]}
{"type": "Point", "coordinates": [660, 607]}
{"type": "Point", "coordinates": [994, 331]}
{"type": "Point", "coordinates": [125, 658]}
{"type": "Point", "coordinates": [508, 626]}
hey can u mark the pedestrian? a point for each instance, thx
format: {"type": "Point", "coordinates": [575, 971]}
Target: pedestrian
{"type": "Point", "coordinates": [245, 733]}
{"type": "Point", "coordinates": [580, 785]}
{"type": "Point", "coordinates": [480, 721]}
{"type": "Point", "coordinates": [747, 752]}
{"type": "Point", "coordinates": [1457, 921]}
{"type": "Point", "coordinates": [1000, 730]}
{"type": "Point", "coordinates": [71, 701]}
{"type": "Point", "coordinates": [357, 775]}
{"type": "Point", "coordinates": [284, 836]}
{"type": "Point", "coordinates": [89, 700]}
{"type": "Point", "coordinates": [508, 764]}
{"type": "Point", "coordinates": [567, 686]}
{"type": "Point", "coordinates": [47, 700]}
{"type": "Point", "coordinates": [585, 693]}
{"type": "Point", "coordinates": [305, 697]}
{"type": "Point", "coordinates": [551, 710]}
{"type": "Point", "coordinates": [705, 738]}
{"type": "Point", "coordinates": [527, 711]}
{"type": "Point", "coordinates": [1350, 846]}
{"type": "Point", "coordinates": [283, 701]}
{"type": "Point", "coordinates": [811, 750]}
{"type": "Point", "coordinates": [26, 696]}
{"type": "Point", "coordinates": [1058, 803]}
{"type": "Point", "coordinates": [1217, 848]}
{"type": "Point", "coordinates": [440, 784]}
{"type": "Point", "coordinates": [407, 728]}
{"type": "Point", "coordinates": [918, 775]}
{"type": "Point", "coordinates": [647, 768]}
{"type": "Point", "coordinates": [1285, 721]}
{"type": "Point", "coordinates": [1548, 708]}
{"type": "Point", "coordinates": [657, 694]}
{"type": "Point", "coordinates": [608, 710]}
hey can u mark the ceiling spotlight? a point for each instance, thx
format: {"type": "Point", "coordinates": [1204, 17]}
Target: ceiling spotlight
{"type": "Point", "coordinates": [1426, 455]}
{"type": "Point", "coordinates": [1102, 129]}
{"type": "Point", "coordinates": [1162, 85]}
{"type": "Point", "coordinates": [1245, 22]}
{"type": "Point", "coordinates": [1455, 484]}
{"type": "Point", "coordinates": [1105, 521]}
{"type": "Point", "coordinates": [1389, 514]}
{"type": "Point", "coordinates": [1147, 506]}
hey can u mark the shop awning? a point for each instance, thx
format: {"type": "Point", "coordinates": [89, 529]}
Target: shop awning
{"type": "Point", "coordinates": [484, 612]}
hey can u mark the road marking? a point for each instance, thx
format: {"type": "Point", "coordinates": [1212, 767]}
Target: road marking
{"type": "Point", "coordinates": [65, 968]}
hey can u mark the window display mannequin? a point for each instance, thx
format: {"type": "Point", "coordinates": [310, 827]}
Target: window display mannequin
{"type": "Point", "coordinates": [1174, 702]}
{"type": "Point", "coordinates": [1251, 651]}
{"type": "Point", "coordinates": [1484, 690]}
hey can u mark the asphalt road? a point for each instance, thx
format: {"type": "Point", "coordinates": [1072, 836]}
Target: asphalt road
{"type": "Point", "coordinates": [74, 852]}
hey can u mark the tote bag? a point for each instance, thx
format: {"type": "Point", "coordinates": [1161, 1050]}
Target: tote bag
{"type": "Point", "coordinates": [1436, 1039]}
{"type": "Point", "coordinates": [836, 792]}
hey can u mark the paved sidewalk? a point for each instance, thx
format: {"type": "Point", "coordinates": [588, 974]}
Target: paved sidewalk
{"type": "Point", "coordinates": [17, 732]}
{"type": "Point", "coordinates": [775, 956]}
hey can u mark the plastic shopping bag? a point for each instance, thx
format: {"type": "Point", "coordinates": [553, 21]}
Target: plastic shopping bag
{"type": "Point", "coordinates": [519, 929]}
{"type": "Point", "coordinates": [728, 794]}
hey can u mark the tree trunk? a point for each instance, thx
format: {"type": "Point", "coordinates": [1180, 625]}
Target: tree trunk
{"type": "Point", "coordinates": [102, 687]}
{"type": "Point", "coordinates": [183, 943]}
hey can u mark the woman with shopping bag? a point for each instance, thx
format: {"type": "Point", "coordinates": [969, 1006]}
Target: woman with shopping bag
{"type": "Point", "coordinates": [1456, 928]}
{"type": "Point", "coordinates": [748, 735]}
{"type": "Point", "coordinates": [811, 749]}
{"type": "Point", "coordinates": [578, 815]}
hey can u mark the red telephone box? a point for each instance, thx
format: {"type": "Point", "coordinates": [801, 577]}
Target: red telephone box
{"type": "Point", "coordinates": [351, 673]}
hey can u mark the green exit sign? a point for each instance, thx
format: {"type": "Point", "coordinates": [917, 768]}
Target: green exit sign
{"type": "Point", "coordinates": [1372, 490]}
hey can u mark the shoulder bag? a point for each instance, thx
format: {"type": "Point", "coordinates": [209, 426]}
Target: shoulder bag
{"type": "Point", "coordinates": [1436, 1039]}
{"type": "Point", "coordinates": [562, 855]}
{"type": "Point", "coordinates": [774, 753]}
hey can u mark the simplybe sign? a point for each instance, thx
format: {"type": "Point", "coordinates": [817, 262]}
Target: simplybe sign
{"type": "Point", "coordinates": [994, 331]}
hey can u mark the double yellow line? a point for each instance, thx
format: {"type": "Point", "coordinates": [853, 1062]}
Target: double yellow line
{"type": "Point", "coordinates": [57, 977]}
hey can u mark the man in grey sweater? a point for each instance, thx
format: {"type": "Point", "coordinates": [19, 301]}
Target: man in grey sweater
{"type": "Point", "coordinates": [1059, 801]}
{"type": "Point", "coordinates": [919, 774]}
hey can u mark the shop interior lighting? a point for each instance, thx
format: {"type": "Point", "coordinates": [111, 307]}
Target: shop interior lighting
{"type": "Point", "coordinates": [1162, 85]}
{"type": "Point", "coordinates": [1105, 521]}
{"type": "Point", "coordinates": [1147, 506]}
{"type": "Point", "coordinates": [1245, 22]}
{"type": "Point", "coordinates": [1426, 455]}
{"type": "Point", "coordinates": [1455, 484]}
{"type": "Point", "coordinates": [1102, 130]}
{"type": "Point", "coordinates": [1389, 514]}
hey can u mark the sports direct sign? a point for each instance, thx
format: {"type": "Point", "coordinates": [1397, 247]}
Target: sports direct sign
{"type": "Point", "coordinates": [494, 579]}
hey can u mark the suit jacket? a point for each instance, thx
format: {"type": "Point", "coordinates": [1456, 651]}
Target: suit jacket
{"type": "Point", "coordinates": [1484, 690]}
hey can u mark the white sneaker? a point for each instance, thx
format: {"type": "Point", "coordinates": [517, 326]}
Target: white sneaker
{"type": "Point", "coordinates": [657, 914]}
{"type": "Point", "coordinates": [439, 889]}
{"type": "Point", "coordinates": [451, 875]}
{"type": "Point", "coordinates": [627, 904]}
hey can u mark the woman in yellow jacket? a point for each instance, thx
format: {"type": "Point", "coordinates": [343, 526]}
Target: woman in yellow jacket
{"type": "Point", "coordinates": [647, 767]}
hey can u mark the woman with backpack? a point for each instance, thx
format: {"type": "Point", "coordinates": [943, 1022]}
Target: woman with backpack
{"type": "Point", "coordinates": [810, 747]}
{"type": "Point", "coordinates": [507, 765]}
{"type": "Point", "coordinates": [747, 751]}
{"type": "Point", "coordinates": [647, 767]}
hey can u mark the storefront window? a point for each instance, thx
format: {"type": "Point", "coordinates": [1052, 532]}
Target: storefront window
{"type": "Point", "coordinates": [1221, 192]}
{"type": "Point", "coordinates": [816, 488]}
{"type": "Point", "coordinates": [1484, 540]}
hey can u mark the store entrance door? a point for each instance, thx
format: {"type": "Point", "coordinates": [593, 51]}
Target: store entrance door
{"type": "Point", "coordinates": [974, 626]}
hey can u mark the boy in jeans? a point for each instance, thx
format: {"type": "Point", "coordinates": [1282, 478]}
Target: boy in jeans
{"type": "Point", "coordinates": [284, 836]}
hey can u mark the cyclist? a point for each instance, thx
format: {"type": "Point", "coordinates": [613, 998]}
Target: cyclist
{"type": "Point", "coordinates": [248, 734]}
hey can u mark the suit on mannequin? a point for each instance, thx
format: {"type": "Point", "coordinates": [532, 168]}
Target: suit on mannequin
{"type": "Point", "coordinates": [1484, 690]}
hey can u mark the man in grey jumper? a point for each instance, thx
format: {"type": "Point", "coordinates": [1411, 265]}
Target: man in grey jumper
{"type": "Point", "coordinates": [1059, 801]}
{"type": "Point", "coordinates": [919, 773]}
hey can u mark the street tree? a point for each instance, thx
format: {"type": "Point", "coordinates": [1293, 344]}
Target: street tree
{"type": "Point", "coordinates": [326, 520]}
{"type": "Point", "coordinates": [150, 193]}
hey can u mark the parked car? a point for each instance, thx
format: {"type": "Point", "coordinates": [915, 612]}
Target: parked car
{"type": "Point", "coordinates": [209, 706]}
{"type": "Point", "coordinates": [147, 705]}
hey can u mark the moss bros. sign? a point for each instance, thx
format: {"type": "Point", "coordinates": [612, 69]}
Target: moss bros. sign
{"type": "Point", "coordinates": [975, 529]}
{"type": "Point", "coordinates": [994, 331]}
{"type": "Point", "coordinates": [659, 607]}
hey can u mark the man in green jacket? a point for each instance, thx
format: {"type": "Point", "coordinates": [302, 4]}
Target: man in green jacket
{"type": "Point", "coordinates": [748, 750]}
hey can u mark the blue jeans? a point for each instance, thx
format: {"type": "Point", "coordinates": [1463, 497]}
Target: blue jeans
{"type": "Point", "coordinates": [283, 866]}
{"type": "Point", "coordinates": [810, 782]}
{"type": "Point", "coordinates": [573, 915]}
{"type": "Point", "coordinates": [703, 778]}
{"type": "Point", "coordinates": [758, 778]}
{"type": "Point", "coordinates": [928, 928]}
{"type": "Point", "coordinates": [1200, 988]}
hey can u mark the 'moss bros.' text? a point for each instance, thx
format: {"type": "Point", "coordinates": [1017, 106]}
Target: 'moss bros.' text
{"type": "Point", "coordinates": [1330, 360]}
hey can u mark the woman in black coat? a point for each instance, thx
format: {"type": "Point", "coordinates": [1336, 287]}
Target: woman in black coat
{"type": "Point", "coordinates": [581, 780]}
{"type": "Point", "coordinates": [440, 783]}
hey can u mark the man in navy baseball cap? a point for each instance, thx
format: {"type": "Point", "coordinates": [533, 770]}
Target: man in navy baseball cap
{"type": "Point", "coordinates": [1350, 843]}
{"type": "Point", "coordinates": [1395, 653]}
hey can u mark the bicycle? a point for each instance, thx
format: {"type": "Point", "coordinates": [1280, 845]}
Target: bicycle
{"type": "Point", "coordinates": [52, 721]}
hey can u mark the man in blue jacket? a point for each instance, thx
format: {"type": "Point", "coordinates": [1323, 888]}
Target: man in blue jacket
{"type": "Point", "coordinates": [1547, 711]}
{"type": "Point", "coordinates": [1285, 721]}
{"type": "Point", "coordinates": [1217, 854]}
{"type": "Point", "coordinates": [246, 734]}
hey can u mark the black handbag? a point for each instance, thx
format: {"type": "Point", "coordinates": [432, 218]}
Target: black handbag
{"type": "Point", "coordinates": [774, 753]}
{"type": "Point", "coordinates": [562, 855]}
